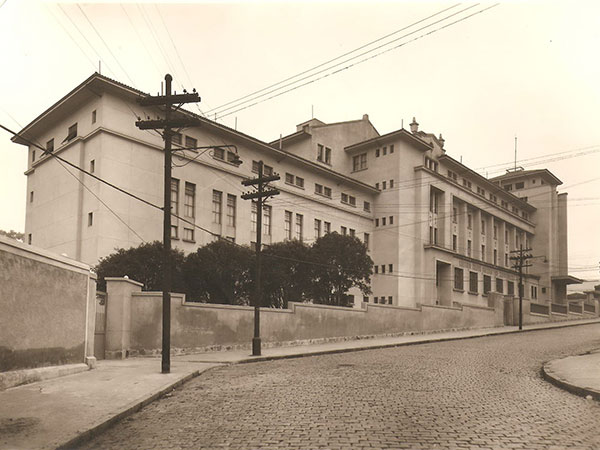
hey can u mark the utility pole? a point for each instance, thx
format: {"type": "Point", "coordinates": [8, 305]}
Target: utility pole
{"type": "Point", "coordinates": [260, 194]}
{"type": "Point", "coordinates": [166, 124]}
{"type": "Point", "coordinates": [521, 259]}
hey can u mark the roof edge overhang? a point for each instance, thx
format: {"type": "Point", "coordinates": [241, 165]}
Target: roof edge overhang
{"type": "Point", "coordinates": [567, 279]}
{"type": "Point", "coordinates": [549, 176]}
{"type": "Point", "coordinates": [401, 133]}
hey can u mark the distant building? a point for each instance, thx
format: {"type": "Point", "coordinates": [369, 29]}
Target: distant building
{"type": "Point", "coordinates": [437, 231]}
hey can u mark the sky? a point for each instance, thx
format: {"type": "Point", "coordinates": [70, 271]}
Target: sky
{"type": "Point", "coordinates": [525, 69]}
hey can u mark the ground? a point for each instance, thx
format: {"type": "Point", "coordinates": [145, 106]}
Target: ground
{"type": "Point", "coordinates": [476, 393]}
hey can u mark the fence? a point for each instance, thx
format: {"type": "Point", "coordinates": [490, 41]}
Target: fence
{"type": "Point", "coordinates": [559, 309]}
{"type": "Point", "coordinates": [536, 308]}
{"type": "Point", "coordinates": [589, 308]}
{"type": "Point", "coordinates": [575, 308]}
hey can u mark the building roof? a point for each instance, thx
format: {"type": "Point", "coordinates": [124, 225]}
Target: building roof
{"type": "Point", "coordinates": [544, 173]}
{"type": "Point", "coordinates": [567, 279]}
{"type": "Point", "coordinates": [87, 89]}
{"type": "Point", "coordinates": [380, 140]}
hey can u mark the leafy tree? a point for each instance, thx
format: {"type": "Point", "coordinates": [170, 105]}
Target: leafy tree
{"type": "Point", "coordinates": [219, 272]}
{"type": "Point", "coordinates": [340, 263]}
{"type": "Point", "coordinates": [13, 235]}
{"type": "Point", "coordinates": [286, 273]}
{"type": "Point", "coordinates": [143, 264]}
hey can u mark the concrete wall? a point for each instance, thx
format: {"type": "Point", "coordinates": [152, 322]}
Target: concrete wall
{"type": "Point", "coordinates": [512, 313]}
{"type": "Point", "coordinates": [46, 301]}
{"type": "Point", "coordinates": [134, 321]}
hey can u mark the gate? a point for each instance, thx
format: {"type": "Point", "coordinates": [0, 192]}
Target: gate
{"type": "Point", "coordinates": [100, 331]}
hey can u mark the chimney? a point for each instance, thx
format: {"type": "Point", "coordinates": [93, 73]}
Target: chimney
{"type": "Point", "coordinates": [414, 126]}
{"type": "Point", "coordinates": [442, 140]}
{"type": "Point", "coordinates": [365, 117]}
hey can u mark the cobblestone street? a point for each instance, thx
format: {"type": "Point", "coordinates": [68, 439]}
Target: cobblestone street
{"type": "Point", "coordinates": [476, 393]}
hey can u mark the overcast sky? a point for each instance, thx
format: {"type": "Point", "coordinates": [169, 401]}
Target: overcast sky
{"type": "Point", "coordinates": [526, 69]}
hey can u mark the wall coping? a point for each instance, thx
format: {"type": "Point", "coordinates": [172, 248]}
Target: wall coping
{"type": "Point", "coordinates": [440, 307]}
{"type": "Point", "coordinates": [19, 248]}
{"type": "Point", "coordinates": [136, 283]}
{"type": "Point", "coordinates": [398, 307]}
{"type": "Point", "coordinates": [470, 305]}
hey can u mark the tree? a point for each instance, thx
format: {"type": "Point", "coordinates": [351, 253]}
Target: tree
{"type": "Point", "coordinates": [13, 235]}
{"type": "Point", "coordinates": [143, 264]}
{"type": "Point", "coordinates": [339, 263]}
{"type": "Point", "coordinates": [286, 273]}
{"type": "Point", "coordinates": [219, 272]}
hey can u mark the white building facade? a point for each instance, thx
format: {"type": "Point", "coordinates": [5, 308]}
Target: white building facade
{"type": "Point", "coordinates": [438, 232]}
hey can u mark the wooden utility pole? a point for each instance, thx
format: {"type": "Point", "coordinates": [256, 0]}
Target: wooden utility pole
{"type": "Point", "coordinates": [167, 124]}
{"type": "Point", "coordinates": [520, 261]}
{"type": "Point", "coordinates": [259, 195]}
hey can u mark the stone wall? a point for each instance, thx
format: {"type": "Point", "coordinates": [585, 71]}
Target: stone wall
{"type": "Point", "coordinates": [46, 301]}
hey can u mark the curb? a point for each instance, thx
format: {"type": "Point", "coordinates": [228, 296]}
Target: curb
{"type": "Point", "coordinates": [129, 410]}
{"type": "Point", "coordinates": [20, 377]}
{"type": "Point", "coordinates": [548, 375]}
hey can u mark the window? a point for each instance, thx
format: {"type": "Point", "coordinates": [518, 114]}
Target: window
{"type": "Point", "coordinates": [317, 229]}
{"type": "Point", "coordinates": [431, 164]}
{"type": "Point", "coordinates": [473, 282]}
{"type": "Point", "coordinates": [367, 206]}
{"type": "Point", "coordinates": [359, 162]}
{"type": "Point", "coordinates": [327, 227]}
{"type": "Point", "coordinates": [366, 240]}
{"type": "Point", "coordinates": [390, 268]}
{"type": "Point", "coordinates": [352, 232]}
{"type": "Point", "coordinates": [390, 299]}
{"type": "Point", "coordinates": [384, 151]}
{"type": "Point", "coordinates": [296, 181]}
{"type": "Point", "coordinates": [92, 166]}
{"type": "Point", "coordinates": [376, 153]}
{"type": "Point", "coordinates": [31, 197]}
{"type": "Point", "coordinates": [481, 191]}
{"type": "Point", "coordinates": [495, 257]}
{"type": "Point", "coordinates": [469, 221]}
{"type": "Point", "coordinates": [376, 269]}
{"type": "Point", "coordinates": [365, 299]}
{"type": "Point", "coordinates": [508, 187]}
{"type": "Point", "coordinates": [482, 226]}
{"type": "Point", "coordinates": [90, 219]}
{"type": "Point", "coordinates": [299, 224]}
{"type": "Point", "coordinates": [519, 185]}
{"type": "Point", "coordinates": [510, 288]}
{"type": "Point", "coordinates": [533, 292]}
{"type": "Point", "coordinates": [29, 238]}
{"type": "Point", "coordinates": [32, 155]}
{"type": "Point", "coordinates": [300, 182]}
{"type": "Point", "coordinates": [348, 199]}
{"type": "Point", "coordinates": [287, 224]}
{"type": "Point", "coordinates": [458, 278]}
{"type": "Point", "coordinates": [267, 170]}
{"type": "Point", "coordinates": [391, 149]}
{"type": "Point", "coordinates": [174, 195]}
{"type": "Point", "coordinates": [177, 138]}
{"type": "Point", "coordinates": [322, 190]}
{"type": "Point", "coordinates": [217, 198]}
{"type": "Point", "coordinates": [504, 204]}
{"type": "Point", "coordinates": [391, 184]}
{"type": "Point", "coordinates": [391, 220]}
{"type": "Point", "coordinates": [327, 155]}
{"type": "Point", "coordinates": [254, 217]}
{"type": "Point", "coordinates": [376, 185]}
{"type": "Point", "coordinates": [506, 260]}
{"type": "Point", "coordinates": [454, 215]}
{"type": "Point", "coordinates": [483, 252]}
{"type": "Point", "coordinates": [188, 234]}
{"type": "Point", "coordinates": [454, 242]}
{"type": "Point", "coordinates": [231, 210]}
{"type": "Point", "coordinates": [487, 284]}
{"type": "Point", "coordinates": [71, 134]}
{"type": "Point", "coordinates": [493, 198]}
{"type": "Point", "coordinates": [375, 298]}
{"type": "Point", "coordinates": [376, 222]}
{"type": "Point", "coordinates": [266, 220]}
{"type": "Point", "coordinates": [466, 183]}
{"type": "Point", "coordinates": [469, 248]}
{"type": "Point", "coordinates": [289, 178]}
{"type": "Point", "coordinates": [320, 153]}
{"type": "Point", "coordinates": [191, 142]}
{"type": "Point", "coordinates": [452, 175]}
{"type": "Point", "coordinates": [343, 231]}
{"type": "Point", "coordinates": [495, 231]}
{"type": "Point", "coordinates": [189, 200]}
{"type": "Point", "coordinates": [94, 116]}
{"type": "Point", "coordinates": [383, 185]}
{"type": "Point", "coordinates": [174, 232]}
{"type": "Point", "coordinates": [499, 285]}
{"type": "Point", "coordinates": [383, 221]}
{"type": "Point", "coordinates": [383, 268]}
{"type": "Point", "coordinates": [327, 191]}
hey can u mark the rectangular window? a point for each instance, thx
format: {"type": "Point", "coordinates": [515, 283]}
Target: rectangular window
{"type": "Point", "coordinates": [352, 200]}
{"type": "Point", "coordinates": [287, 225]}
{"type": "Point", "coordinates": [90, 219]}
{"type": "Point", "coordinates": [352, 232]}
{"type": "Point", "coordinates": [495, 257]}
{"type": "Point", "coordinates": [483, 252]}
{"type": "Point", "coordinates": [367, 206]}
{"type": "Point", "coordinates": [327, 155]}
{"type": "Point", "coordinates": [31, 197]}
{"type": "Point", "coordinates": [267, 170]}
{"type": "Point", "coordinates": [376, 153]}
{"type": "Point", "coordinates": [32, 155]}
{"type": "Point", "coordinates": [510, 288]}
{"type": "Point", "coordinates": [499, 285]}
{"type": "Point", "coordinates": [508, 187]}
{"type": "Point", "coordinates": [433, 201]}
{"type": "Point", "coordinates": [376, 185]}
{"type": "Point", "coordinates": [317, 229]}
{"type": "Point", "coordinates": [473, 282]}
{"type": "Point", "coordinates": [390, 268]}
{"type": "Point", "coordinates": [506, 260]}
{"type": "Point", "coordinates": [495, 231]}
{"type": "Point", "coordinates": [533, 292]}
{"type": "Point", "coordinates": [188, 234]}
{"type": "Point", "coordinates": [300, 182]}
{"type": "Point", "coordinates": [383, 185]}
{"type": "Point", "coordinates": [174, 232]}
{"type": "Point", "coordinates": [71, 133]}
{"type": "Point", "coordinates": [469, 221]}
{"type": "Point", "coordinates": [487, 284]}
{"type": "Point", "coordinates": [231, 209]}
{"type": "Point", "coordinates": [391, 220]}
{"type": "Point", "coordinates": [29, 238]}
{"type": "Point", "coordinates": [391, 148]}
{"type": "Point", "coordinates": [189, 200]}
{"type": "Point", "coordinates": [219, 153]}
{"type": "Point", "coordinates": [191, 143]}
{"type": "Point", "coordinates": [383, 221]}
{"type": "Point", "coordinates": [327, 227]}
{"type": "Point", "coordinates": [254, 217]}
{"type": "Point", "coordinates": [94, 116]}
{"type": "Point", "coordinates": [469, 248]}
{"type": "Point", "coordinates": [390, 299]}
{"type": "Point", "coordinates": [376, 222]}
{"type": "Point", "coordinates": [177, 138]}
{"type": "Point", "coordinates": [384, 151]}
{"type": "Point", "coordinates": [217, 202]}
{"type": "Point", "coordinates": [299, 226]}
{"type": "Point", "coordinates": [266, 220]}
{"type": "Point", "coordinates": [482, 226]}
{"type": "Point", "coordinates": [343, 231]}
{"type": "Point", "coordinates": [175, 196]}
{"type": "Point", "coordinates": [92, 166]}
{"type": "Point", "coordinates": [365, 299]}
{"type": "Point", "coordinates": [318, 189]}
{"type": "Point", "coordinates": [383, 268]}
{"type": "Point", "coordinates": [327, 191]}
{"type": "Point", "coordinates": [454, 242]}
{"type": "Point", "coordinates": [320, 153]}
{"type": "Point", "coordinates": [359, 162]}
{"type": "Point", "coordinates": [391, 184]}
{"type": "Point", "coordinates": [366, 240]}
{"type": "Point", "coordinates": [289, 178]}
{"type": "Point", "coordinates": [519, 185]}
{"type": "Point", "coordinates": [376, 271]}
{"type": "Point", "coordinates": [458, 279]}
{"type": "Point", "coordinates": [454, 215]}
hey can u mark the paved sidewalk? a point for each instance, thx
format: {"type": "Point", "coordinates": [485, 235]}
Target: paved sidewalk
{"type": "Point", "coordinates": [64, 411]}
{"type": "Point", "coordinates": [577, 374]}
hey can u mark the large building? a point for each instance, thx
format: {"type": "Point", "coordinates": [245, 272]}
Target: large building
{"type": "Point", "coordinates": [437, 231]}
